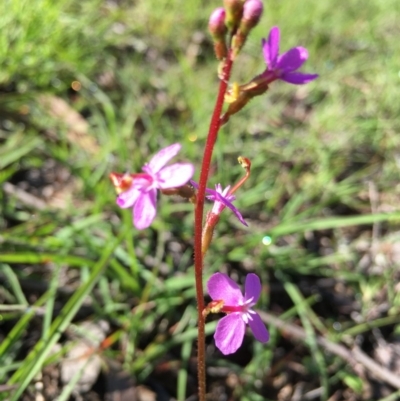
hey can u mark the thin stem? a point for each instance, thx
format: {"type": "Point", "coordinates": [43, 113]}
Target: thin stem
{"type": "Point", "coordinates": [246, 164]}
{"type": "Point", "coordinates": [198, 224]}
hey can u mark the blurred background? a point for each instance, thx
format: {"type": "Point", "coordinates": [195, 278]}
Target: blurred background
{"type": "Point", "coordinates": [92, 309]}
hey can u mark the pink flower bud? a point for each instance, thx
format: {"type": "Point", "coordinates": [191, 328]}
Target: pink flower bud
{"type": "Point", "coordinates": [217, 28]}
{"type": "Point", "coordinates": [252, 11]}
{"type": "Point", "coordinates": [216, 23]}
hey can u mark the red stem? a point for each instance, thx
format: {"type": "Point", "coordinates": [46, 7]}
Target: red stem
{"type": "Point", "coordinates": [198, 223]}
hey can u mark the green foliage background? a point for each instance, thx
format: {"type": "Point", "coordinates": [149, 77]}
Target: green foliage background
{"type": "Point", "coordinates": [323, 193]}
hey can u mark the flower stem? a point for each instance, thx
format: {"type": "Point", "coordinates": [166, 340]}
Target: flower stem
{"type": "Point", "coordinates": [198, 223]}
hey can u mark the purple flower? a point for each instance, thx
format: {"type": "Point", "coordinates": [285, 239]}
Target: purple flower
{"type": "Point", "coordinates": [284, 66]}
{"type": "Point", "coordinates": [142, 193]}
{"type": "Point", "coordinates": [231, 328]}
{"type": "Point", "coordinates": [222, 199]}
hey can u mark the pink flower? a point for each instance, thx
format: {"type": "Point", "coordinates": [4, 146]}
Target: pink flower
{"type": "Point", "coordinates": [284, 66]}
{"type": "Point", "coordinates": [142, 193]}
{"type": "Point", "coordinates": [231, 328]}
{"type": "Point", "coordinates": [222, 199]}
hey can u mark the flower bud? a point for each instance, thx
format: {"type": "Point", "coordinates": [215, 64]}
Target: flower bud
{"type": "Point", "coordinates": [216, 23]}
{"type": "Point", "coordinates": [217, 28]}
{"type": "Point", "coordinates": [234, 11]}
{"type": "Point", "coordinates": [252, 11]}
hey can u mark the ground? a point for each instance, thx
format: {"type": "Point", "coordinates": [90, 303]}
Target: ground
{"type": "Point", "coordinates": [92, 309]}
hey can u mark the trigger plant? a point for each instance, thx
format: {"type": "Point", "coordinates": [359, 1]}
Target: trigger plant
{"type": "Point", "coordinates": [229, 25]}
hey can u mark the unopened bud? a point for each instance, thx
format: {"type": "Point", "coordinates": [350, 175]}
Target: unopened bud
{"type": "Point", "coordinates": [234, 11]}
{"type": "Point", "coordinates": [217, 28]}
{"type": "Point", "coordinates": [252, 11]}
{"type": "Point", "coordinates": [216, 23]}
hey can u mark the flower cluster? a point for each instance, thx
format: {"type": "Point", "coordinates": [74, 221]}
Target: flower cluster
{"type": "Point", "coordinates": [229, 27]}
{"type": "Point", "coordinates": [282, 67]}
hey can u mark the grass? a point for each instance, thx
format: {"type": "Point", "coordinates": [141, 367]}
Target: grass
{"type": "Point", "coordinates": [322, 202]}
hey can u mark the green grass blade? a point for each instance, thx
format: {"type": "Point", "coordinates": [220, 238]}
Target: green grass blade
{"type": "Point", "coordinates": [13, 281]}
{"type": "Point", "coordinates": [302, 309]}
{"type": "Point", "coordinates": [37, 356]}
{"type": "Point", "coordinates": [334, 222]}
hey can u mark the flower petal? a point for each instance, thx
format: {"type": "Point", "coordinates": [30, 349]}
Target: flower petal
{"type": "Point", "coordinates": [208, 190]}
{"type": "Point", "coordinates": [175, 175]}
{"type": "Point", "coordinates": [194, 184]}
{"type": "Point", "coordinates": [258, 328]}
{"type": "Point", "coordinates": [219, 195]}
{"type": "Point", "coordinates": [221, 287]}
{"type": "Point", "coordinates": [144, 210]}
{"type": "Point", "coordinates": [160, 159]}
{"type": "Point", "coordinates": [252, 287]}
{"type": "Point", "coordinates": [298, 78]}
{"type": "Point", "coordinates": [229, 333]}
{"type": "Point", "coordinates": [223, 192]}
{"type": "Point", "coordinates": [228, 204]}
{"type": "Point", "coordinates": [128, 198]}
{"type": "Point", "coordinates": [271, 47]}
{"type": "Point", "coordinates": [292, 59]}
{"type": "Point", "coordinates": [211, 194]}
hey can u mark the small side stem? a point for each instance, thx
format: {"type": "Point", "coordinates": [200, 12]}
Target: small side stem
{"type": "Point", "coordinates": [198, 224]}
